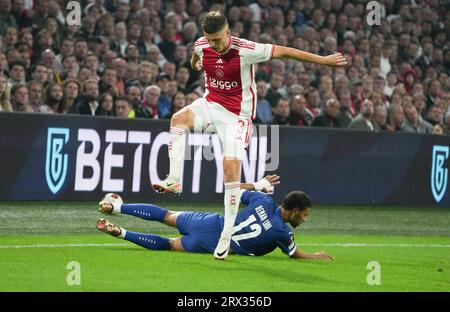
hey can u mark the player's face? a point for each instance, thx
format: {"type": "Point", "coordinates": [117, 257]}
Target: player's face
{"type": "Point", "coordinates": [220, 40]}
{"type": "Point", "coordinates": [298, 217]}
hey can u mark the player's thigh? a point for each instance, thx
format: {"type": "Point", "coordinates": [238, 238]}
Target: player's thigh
{"type": "Point", "coordinates": [171, 218]}
{"type": "Point", "coordinates": [234, 133]}
{"type": "Point", "coordinates": [200, 114]}
{"type": "Point", "coordinates": [175, 244]}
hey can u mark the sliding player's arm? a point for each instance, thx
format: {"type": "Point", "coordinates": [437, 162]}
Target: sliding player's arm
{"type": "Point", "coordinates": [333, 60]}
{"type": "Point", "coordinates": [195, 62]}
{"type": "Point", "coordinates": [263, 185]}
{"type": "Point", "coordinates": [311, 256]}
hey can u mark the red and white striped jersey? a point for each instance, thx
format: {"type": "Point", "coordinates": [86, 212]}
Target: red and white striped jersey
{"type": "Point", "coordinates": [230, 77]}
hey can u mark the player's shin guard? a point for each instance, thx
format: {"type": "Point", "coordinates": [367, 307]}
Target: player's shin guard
{"type": "Point", "coordinates": [231, 201]}
{"type": "Point", "coordinates": [145, 211]}
{"type": "Point", "coordinates": [149, 241]}
{"type": "Point", "coordinates": [176, 152]}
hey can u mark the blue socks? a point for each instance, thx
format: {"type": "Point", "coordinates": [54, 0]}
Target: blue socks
{"type": "Point", "coordinates": [149, 241]}
{"type": "Point", "coordinates": [144, 211]}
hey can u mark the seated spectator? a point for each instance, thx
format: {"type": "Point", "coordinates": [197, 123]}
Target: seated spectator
{"type": "Point", "coordinates": [87, 104]}
{"type": "Point", "coordinates": [178, 102]}
{"type": "Point", "coordinates": [72, 90]}
{"type": "Point", "coordinates": [19, 98]}
{"type": "Point", "coordinates": [54, 98]}
{"type": "Point", "coordinates": [5, 105]}
{"type": "Point", "coordinates": [364, 120]}
{"type": "Point", "coordinates": [106, 102]}
{"type": "Point", "coordinates": [379, 118]}
{"type": "Point", "coordinates": [313, 102]}
{"type": "Point", "coordinates": [435, 114]}
{"type": "Point", "coordinates": [124, 107]}
{"type": "Point", "coordinates": [281, 113]}
{"type": "Point", "coordinates": [328, 117]}
{"type": "Point", "coordinates": [347, 112]}
{"type": "Point", "coordinates": [272, 96]}
{"type": "Point", "coordinates": [263, 107]}
{"type": "Point", "coordinates": [414, 121]}
{"type": "Point", "coordinates": [299, 115]}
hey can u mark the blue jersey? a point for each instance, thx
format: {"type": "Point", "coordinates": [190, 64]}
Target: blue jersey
{"type": "Point", "coordinates": [258, 230]}
{"type": "Point", "coordinates": [259, 227]}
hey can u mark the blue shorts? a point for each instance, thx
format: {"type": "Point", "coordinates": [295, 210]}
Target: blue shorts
{"type": "Point", "coordinates": [201, 231]}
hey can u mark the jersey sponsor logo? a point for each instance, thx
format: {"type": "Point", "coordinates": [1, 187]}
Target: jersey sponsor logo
{"type": "Point", "coordinates": [439, 173]}
{"type": "Point", "coordinates": [219, 61]}
{"type": "Point", "coordinates": [222, 84]}
{"type": "Point", "coordinates": [55, 160]}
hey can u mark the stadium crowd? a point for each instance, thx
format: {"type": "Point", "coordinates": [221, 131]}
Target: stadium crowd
{"type": "Point", "coordinates": [131, 58]}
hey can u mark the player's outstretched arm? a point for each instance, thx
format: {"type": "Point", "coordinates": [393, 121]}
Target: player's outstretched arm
{"type": "Point", "coordinates": [311, 256]}
{"type": "Point", "coordinates": [263, 185]}
{"type": "Point", "coordinates": [333, 60]}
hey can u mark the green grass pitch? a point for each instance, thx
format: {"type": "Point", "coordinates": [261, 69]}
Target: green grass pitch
{"type": "Point", "coordinates": [39, 239]}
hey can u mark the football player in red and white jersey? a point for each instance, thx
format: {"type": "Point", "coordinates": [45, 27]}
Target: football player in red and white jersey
{"type": "Point", "coordinates": [227, 107]}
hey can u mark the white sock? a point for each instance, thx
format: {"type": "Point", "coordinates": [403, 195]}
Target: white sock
{"type": "Point", "coordinates": [176, 152]}
{"type": "Point", "coordinates": [122, 233]}
{"type": "Point", "coordinates": [231, 202]}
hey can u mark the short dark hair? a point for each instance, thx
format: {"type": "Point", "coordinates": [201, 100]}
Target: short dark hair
{"type": "Point", "coordinates": [213, 22]}
{"type": "Point", "coordinates": [125, 99]}
{"type": "Point", "coordinates": [296, 199]}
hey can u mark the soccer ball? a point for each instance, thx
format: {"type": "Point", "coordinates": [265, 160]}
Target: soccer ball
{"type": "Point", "coordinates": [113, 198]}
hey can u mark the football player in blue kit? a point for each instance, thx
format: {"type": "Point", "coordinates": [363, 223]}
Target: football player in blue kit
{"type": "Point", "coordinates": [259, 228]}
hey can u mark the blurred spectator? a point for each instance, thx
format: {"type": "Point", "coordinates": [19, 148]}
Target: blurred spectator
{"type": "Point", "coordinates": [347, 112]}
{"type": "Point", "coordinates": [124, 107]}
{"type": "Point", "coordinates": [328, 117]}
{"type": "Point", "coordinates": [54, 98]}
{"type": "Point", "coordinates": [435, 115]}
{"type": "Point", "coordinates": [19, 98]}
{"type": "Point", "coordinates": [312, 102]}
{"type": "Point", "coordinates": [405, 61]}
{"type": "Point", "coordinates": [5, 105]}
{"type": "Point", "coordinates": [281, 113]}
{"type": "Point", "coordinates": [263, 107]}
{"type": "Point", "coordinates": [87, 104]}
{"type": "Point", "coordinates": [72, 89]}
{"type": "Point", "coordinates": [379, 118]}
{"type": "Point", "coordinates": [364, 120]}
{"type": "Point", "coordinates": [414, 121]}
{"type": "Point", "coordinates": [107, 107]}
{"type": "Point", "coordinates": [273, 95]}
{"type": "Point", "coordinates": [151, 101]}
{"type": "Point", "coordinates": [298, 115]}
{"type": "Point", "coordinates": [178, 102]}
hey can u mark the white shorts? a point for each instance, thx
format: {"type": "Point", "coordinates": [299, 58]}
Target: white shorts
{"type": "Point", "coordinates": [234, 132]}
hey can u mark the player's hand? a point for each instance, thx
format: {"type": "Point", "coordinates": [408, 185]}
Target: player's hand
{"type": "Point", "coordinates": [323, 256]}
{"type": "Point", "coordinates": [335, 60]}
{"type": "Point", "coordinates": [269, 182]}
{"type": "Point", "coordinates": [273, 179]}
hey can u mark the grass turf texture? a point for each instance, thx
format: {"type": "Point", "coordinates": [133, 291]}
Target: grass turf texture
{"type": "Point", "coordinates": [412, 246]}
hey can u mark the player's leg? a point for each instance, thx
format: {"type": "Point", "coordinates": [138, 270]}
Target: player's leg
{"type": "Point", "coordinates": [235, 134]}
{"type": "Point", "coordinates": [190, 117]}
{"type": "Point", "coordinates": [148, 212]}
{"type": "Point", "coordinates": [149, 241]}
{"type": "Point", "coordinates": [231, 168]}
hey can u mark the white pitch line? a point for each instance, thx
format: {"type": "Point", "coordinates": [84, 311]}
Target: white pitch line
{"type": "Point", "coordinates": [61, 245]}
{"type": "Point", "coordinates": [300, 244]}
{"type": "Point", "coordinates": [375, 245]}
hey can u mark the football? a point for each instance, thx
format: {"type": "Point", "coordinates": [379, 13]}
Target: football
{"type": "Point", "coordinates": [113, 198]}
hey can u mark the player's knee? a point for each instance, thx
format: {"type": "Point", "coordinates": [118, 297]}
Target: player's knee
{"type": "Point", "coordinates": [181, 118]}
{"type": "Point", "coordinates": [230, 172]}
